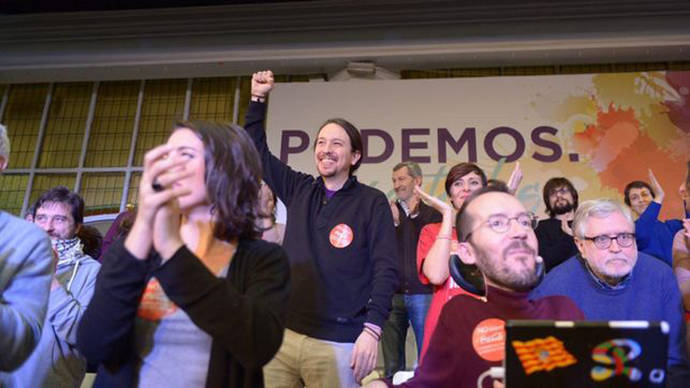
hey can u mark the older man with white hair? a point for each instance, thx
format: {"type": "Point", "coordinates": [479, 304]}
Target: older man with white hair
{"type": "Point", "coordinates": [25, 273]}
{"type": "Point", "coordinates": [610, 280]}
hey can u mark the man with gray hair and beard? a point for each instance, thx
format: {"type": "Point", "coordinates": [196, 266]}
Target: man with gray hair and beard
{"type": "Point", "coordinates": [610, 280]}
{"type": "Point", "coordinates": [412, 298]}
{"type": "Point", "coordinates": [25, 272]}
{"type": "Point", "coordinates": [495, 234]}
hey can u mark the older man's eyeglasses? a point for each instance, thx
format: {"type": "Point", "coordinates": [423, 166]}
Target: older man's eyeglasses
{"type": "Point", "coordinates": [604, 241]}
{"type": "Point", "coordinates": [500, 223]}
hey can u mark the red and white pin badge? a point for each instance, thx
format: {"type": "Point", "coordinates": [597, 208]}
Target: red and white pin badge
{"type": "Point", "coordinates": [154, 304]}
{"type": "Point", "coordinates": [341, 236]}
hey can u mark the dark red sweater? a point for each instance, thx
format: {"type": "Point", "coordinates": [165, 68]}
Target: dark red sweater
{"type": "Point", "coordinates": [470, 338]}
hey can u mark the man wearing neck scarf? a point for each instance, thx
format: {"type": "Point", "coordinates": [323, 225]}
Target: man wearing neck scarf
{"type": "Point", "coordinates": [56, 362]}
{"type": "Point", "coordinates": [495, 234]}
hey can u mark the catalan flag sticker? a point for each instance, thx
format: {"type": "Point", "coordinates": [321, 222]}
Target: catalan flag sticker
{"type": "Point", "coordinates": [542, 354]}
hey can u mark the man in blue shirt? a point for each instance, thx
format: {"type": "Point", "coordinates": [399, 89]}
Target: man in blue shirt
{"type": "Point", "coordinates": [653, 237]}
{"type": "Point", "coordinates": [610, 280]}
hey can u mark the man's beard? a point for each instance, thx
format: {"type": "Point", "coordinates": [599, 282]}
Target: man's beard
{"type": "Point", "coordinates": [559, 208]}
{"type": "Point", "coordinates": [521, 280]}
{"type": "Point", "coordinates": [404, 195]}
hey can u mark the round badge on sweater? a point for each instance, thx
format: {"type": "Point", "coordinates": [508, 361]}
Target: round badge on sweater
{"type": "Point", "coordinates": [155, 305]}
{"type": "Point", "coordinates": [489, 338]}
{"type": "Point", "coordinates": [341, 236]}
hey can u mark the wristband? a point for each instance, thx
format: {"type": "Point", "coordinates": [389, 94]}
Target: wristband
{"type": "Point", "coordinates": [372, 333]}
{"type": "Point", "coordinates": [257, 98]}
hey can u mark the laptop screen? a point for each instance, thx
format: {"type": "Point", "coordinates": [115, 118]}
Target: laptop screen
{"type": "Point", "coordinates": [585, 354]}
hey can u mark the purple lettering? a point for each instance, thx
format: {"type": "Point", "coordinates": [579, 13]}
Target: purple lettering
{"type": "Point", "coordinates": [555, 148]}
{"type": "Point", "coordinates": [286, 149]}
{"type": "Point", "coordinates": [469, 136]}
{"type": "Point", "coordinates": [519, 144]}
{"type": "Point", "coordinates": [408, 145]}
{"type": "Point", "coordinates": [388, 145]}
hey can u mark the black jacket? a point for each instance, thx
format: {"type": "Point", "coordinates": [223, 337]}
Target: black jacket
{"type": "Point", "coordinates": [334, 290]}
{"type": "Point", "coordinates": [243, 313]}
{"type": "Point", "coordinates": [555, 246]}
{"type": "Point", "coordinates": [407, 233]}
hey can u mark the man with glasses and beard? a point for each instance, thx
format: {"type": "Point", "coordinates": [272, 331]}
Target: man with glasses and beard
{"type": "Point", "coordinates": [497, 237]}
{"type": "Point", "coordinates": [554, 234]}
{"type": "Point", "coordinates": [610, 280]}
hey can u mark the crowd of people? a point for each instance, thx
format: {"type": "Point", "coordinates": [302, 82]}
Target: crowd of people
{"type": "Point", "coordinates": [201, 286]}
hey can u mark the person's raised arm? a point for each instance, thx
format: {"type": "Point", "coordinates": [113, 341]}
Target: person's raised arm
{"type": "Point", "coordinates": [658, 190]}
{"type": "Point", "coordinates": [435, 264]}
{"type": "Point", "coordinates": [262, 84]}
{"type": "Point", "coordinates": [277, 174]}
{"type": "Point", "coordinates": [515, 179]}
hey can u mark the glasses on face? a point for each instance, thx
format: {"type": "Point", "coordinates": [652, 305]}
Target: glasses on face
{"type": "Point", "coordinates": [604, 241]}
{"type": "Point", "coordinates": [560, 190]}
{"type": "Point", "coordinates": [500, 223]}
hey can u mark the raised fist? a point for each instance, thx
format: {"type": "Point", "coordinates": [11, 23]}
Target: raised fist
{"type": "Point", "coordinates": [262, 83]}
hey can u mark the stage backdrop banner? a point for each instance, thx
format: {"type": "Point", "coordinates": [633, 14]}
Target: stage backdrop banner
{"type": "Point", "coordinates": [601, 131]}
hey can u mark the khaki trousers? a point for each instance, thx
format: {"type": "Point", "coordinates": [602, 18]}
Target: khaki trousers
{"type": "Point", "coordinates": [303, 361]}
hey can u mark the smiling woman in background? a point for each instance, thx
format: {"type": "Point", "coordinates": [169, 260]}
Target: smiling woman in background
{"type": "Point", "coordinates": [438, 241]}
{"type": "Point", "coordinates": [191, 297]}
{"type": "Point", "coordinates": [653, 236]}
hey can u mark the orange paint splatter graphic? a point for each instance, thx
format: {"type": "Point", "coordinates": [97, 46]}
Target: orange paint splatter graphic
{"type": "Point", "coordinates": [615, 130]}
{"type": "Point", "coordinates": [619, 149]}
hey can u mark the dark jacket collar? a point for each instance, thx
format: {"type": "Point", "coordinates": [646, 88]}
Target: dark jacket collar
{"type": "Point", "coordinates": [349, 183]}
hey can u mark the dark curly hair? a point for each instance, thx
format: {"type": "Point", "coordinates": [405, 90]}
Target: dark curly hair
{"type": "Point", "coordinates": [233, 177]}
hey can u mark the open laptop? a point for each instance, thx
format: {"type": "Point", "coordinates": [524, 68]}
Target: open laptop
{"type": "Point", "coordinates": [585, 354]}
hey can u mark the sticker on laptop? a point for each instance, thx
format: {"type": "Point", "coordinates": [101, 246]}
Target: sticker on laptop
{"type": "Point", "coordinates": [543, 354]}
{"type": "Point", "coordinates": [616, 353]}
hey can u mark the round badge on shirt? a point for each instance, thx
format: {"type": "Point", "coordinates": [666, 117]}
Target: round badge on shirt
{"type": "Point", "coordinates": [341, 236]}
{"type": "Point", "coordinates": [155, 305]}
{"type": "Point", "coordinates": [489, 338]}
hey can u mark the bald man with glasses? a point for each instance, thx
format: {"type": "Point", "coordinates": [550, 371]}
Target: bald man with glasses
{"type": "Point", "coordinates": [496, 236]}
{"type": "Point", "coordinates": [610, 280]}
